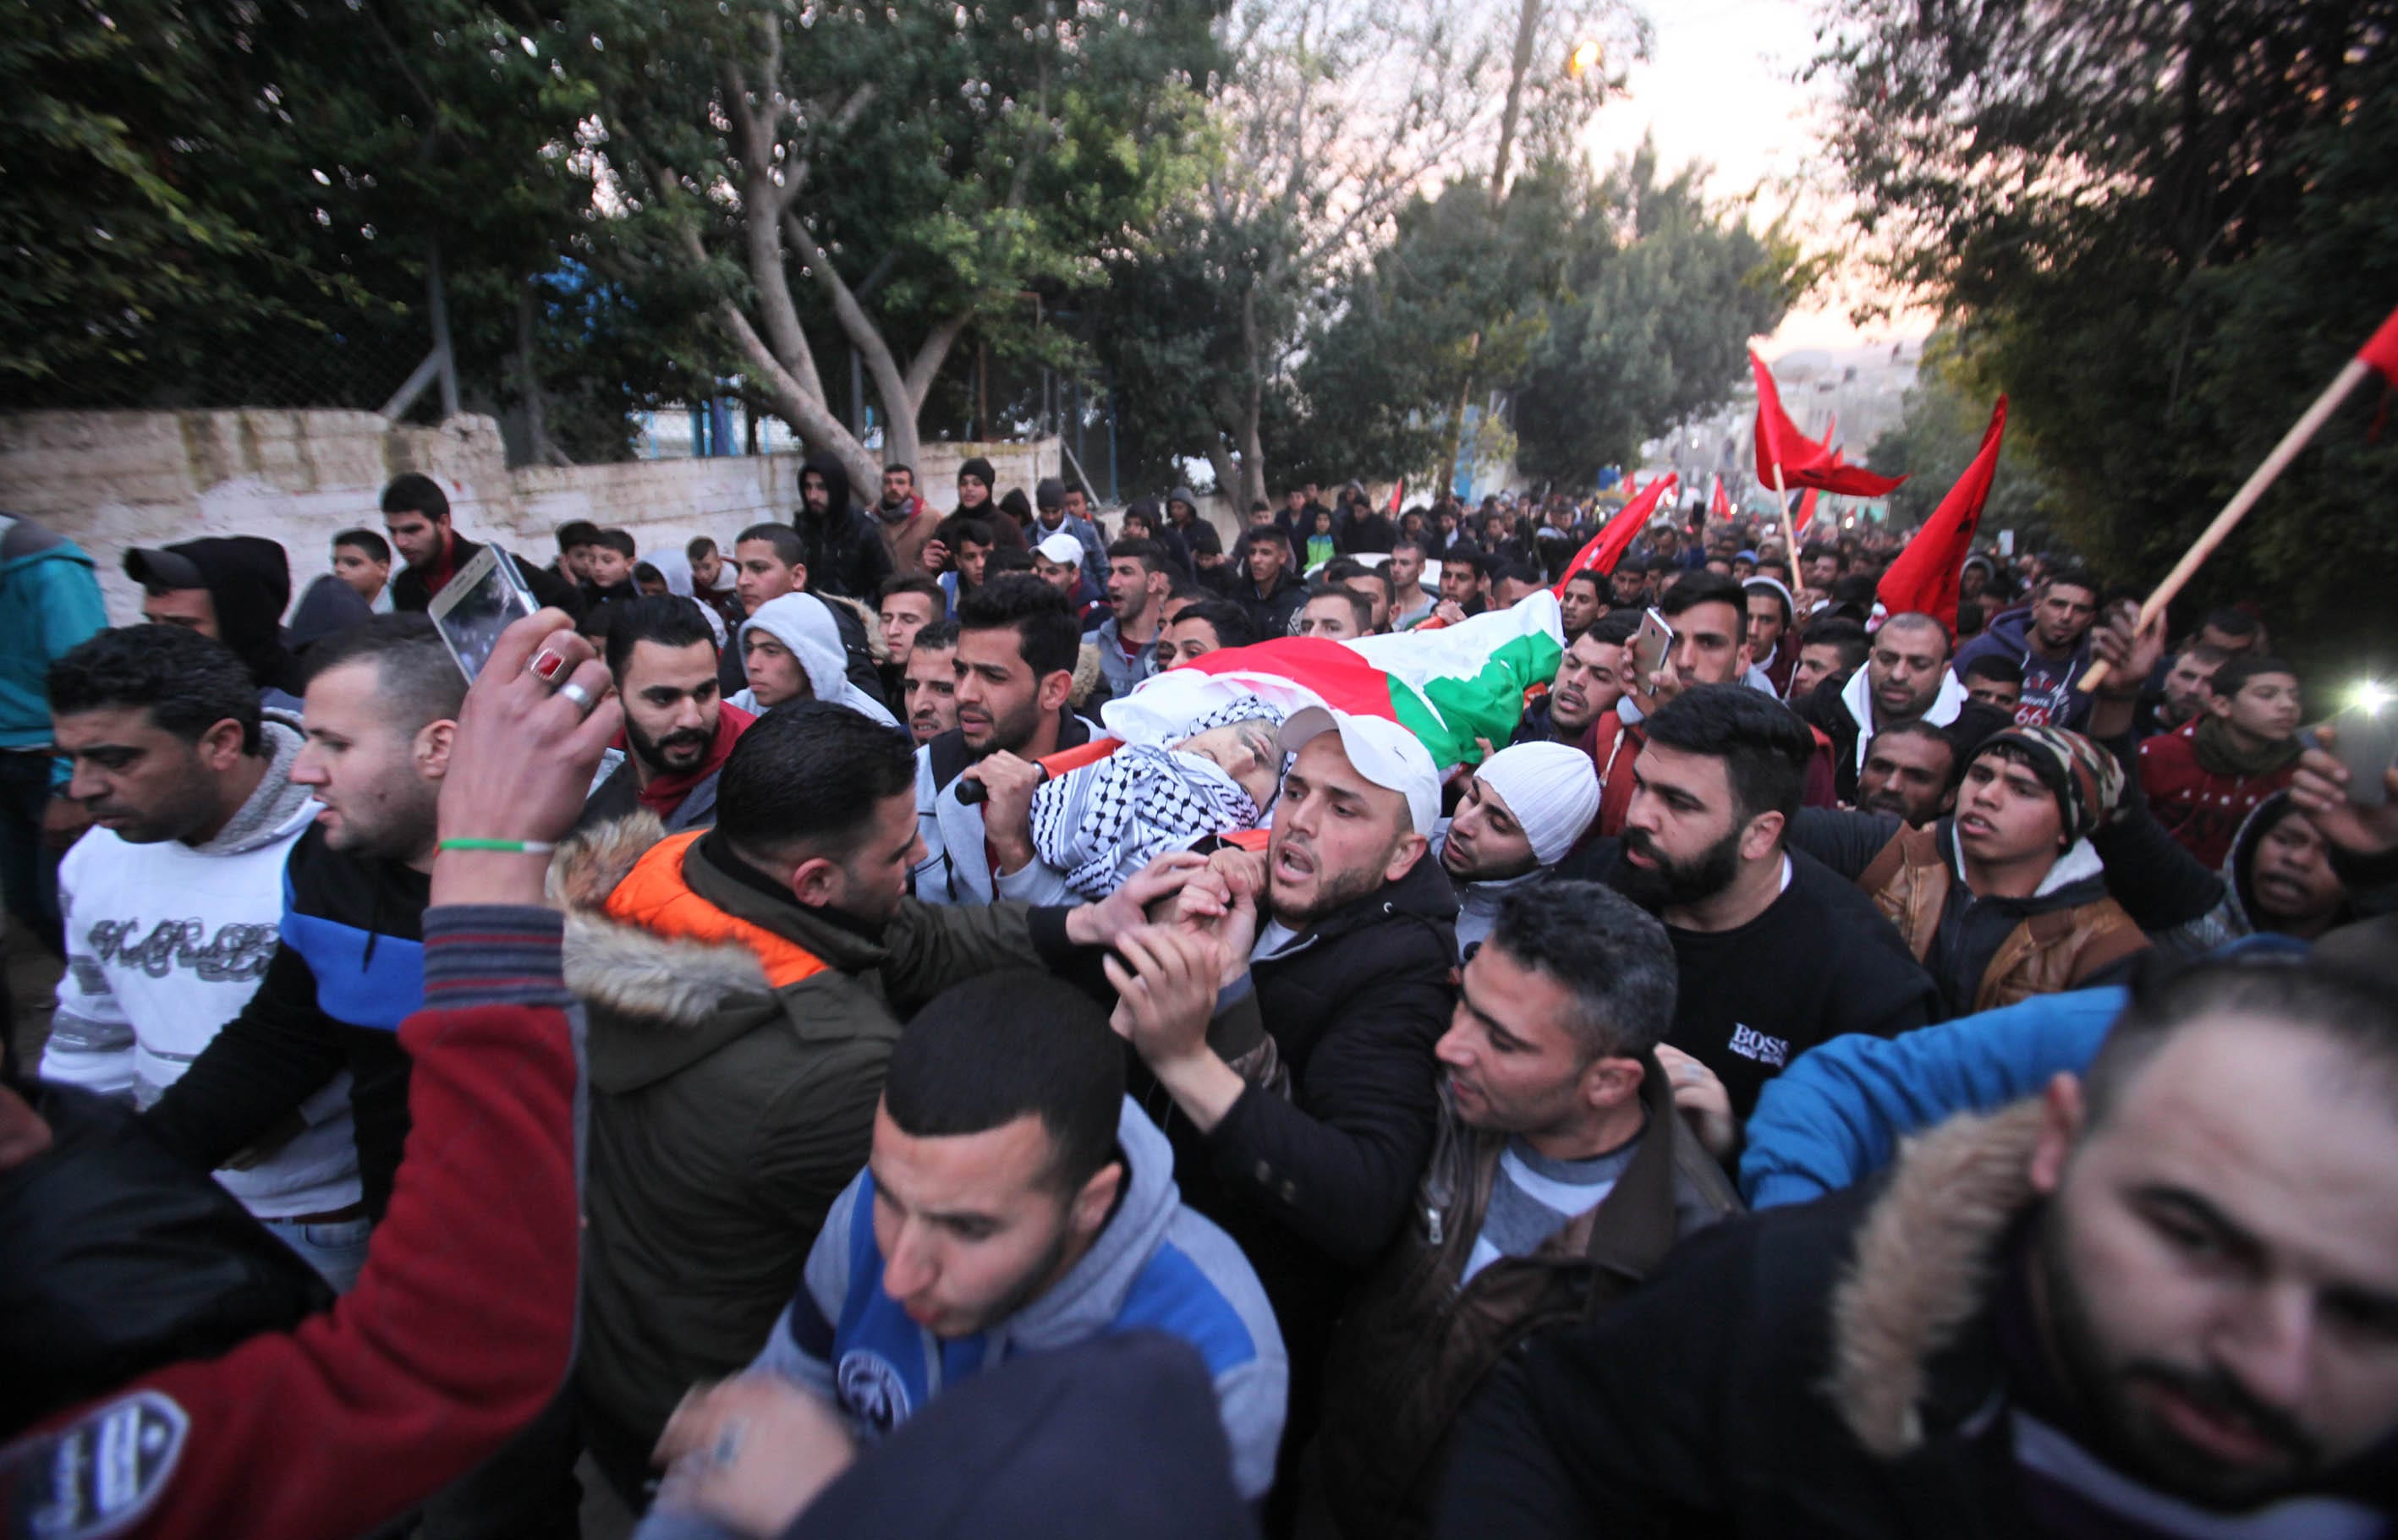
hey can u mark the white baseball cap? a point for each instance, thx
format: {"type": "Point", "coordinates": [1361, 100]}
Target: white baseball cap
{"type": "Point", "coordinates": [1381, 751]}
{"type": "Point", "coordinates": [1062, 548]}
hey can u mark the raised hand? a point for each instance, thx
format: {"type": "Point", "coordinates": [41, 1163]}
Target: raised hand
{"type": "Point", "coordinates": [530, 734]}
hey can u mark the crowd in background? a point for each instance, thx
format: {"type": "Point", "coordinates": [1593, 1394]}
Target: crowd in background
{"type": "Point", "coordinates": [791, 1041]}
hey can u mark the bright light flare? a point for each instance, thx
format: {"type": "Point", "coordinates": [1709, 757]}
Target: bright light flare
{"type": "Point", "coordinates": [1584, 58]}
{"type": "Point", "coordinates": [2370, 696]}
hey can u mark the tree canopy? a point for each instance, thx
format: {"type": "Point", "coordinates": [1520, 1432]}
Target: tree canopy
{"type": "Point", "coordinates": [2160, 227]}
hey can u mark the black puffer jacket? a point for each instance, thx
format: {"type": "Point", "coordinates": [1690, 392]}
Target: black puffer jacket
{"type": "Point", "coordinates": [1313, 1185]}
{"type": "Point", "coordinates": [846, 551]}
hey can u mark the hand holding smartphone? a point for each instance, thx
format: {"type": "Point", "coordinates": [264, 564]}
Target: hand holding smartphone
{"type": "Point", "coordinates": [2367, 742]}
{"type": "Point", "coordinates": [486, 597]}
{"type": "Point", "coordinates": [1650, 646]}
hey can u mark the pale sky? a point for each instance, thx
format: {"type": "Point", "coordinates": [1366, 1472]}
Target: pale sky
{"type": "Point", "coordinates": [1719, 87]}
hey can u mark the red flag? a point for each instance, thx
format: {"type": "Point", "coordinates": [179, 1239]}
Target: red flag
{"type": "Point", "coordinates": [2382, 352]}
{"type": "Point", "coordinates": [1400, 486]}
{"type": "Point", "coordinates": [1806, 519]}
{"type": "Point", "coordinates": [1606, 547]}
{"type": "Point", "coordinates": [1803, 461]}
{"type": "Point", "coordinates": [1924, 579]}
{"type": "Point", "coordinates": [1719, 504]}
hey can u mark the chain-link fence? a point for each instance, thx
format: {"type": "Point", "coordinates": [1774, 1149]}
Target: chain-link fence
{"type": "Point", "coordinates": [314, 354]}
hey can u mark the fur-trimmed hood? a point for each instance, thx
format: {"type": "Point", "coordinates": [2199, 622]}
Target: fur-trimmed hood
{"type": "Point", "coordinates": [1923, 1269]}
{"type": "Point", "coordinates": [660, 1003]}
{"type": "Point", "coordinates": [670, 982]}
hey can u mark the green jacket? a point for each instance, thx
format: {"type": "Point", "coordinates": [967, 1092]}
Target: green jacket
{"type": "Point", "coordinates": [727, 1115]}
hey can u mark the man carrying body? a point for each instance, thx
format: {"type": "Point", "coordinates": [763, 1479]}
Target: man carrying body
{"type": "Point", "coordinates": [2119, 1307]}
{"type": "Point", "coordinates": [416, 517]}
{"type": "Point", "coordinates": [1017, 645]}
{"type": "Point", "coordinates": [1906, 679]}
{"type": "Point", "coordinates": [2051, 642]}
{"type": "Point", "coordinates": [678, 728]}
{"type": "Point", "coordinates": [1524, 809]}
{"type": "Point", "coordinates": [1136, 580]}
{"type": "Point", "coordinates": [1464, 584]}
{"type": "Point", "coordinates": [172, 904]}
{"type": "Point", "coordinates": [1336, 948]}
{"type": "Point", "coordinates": [733, 1100]}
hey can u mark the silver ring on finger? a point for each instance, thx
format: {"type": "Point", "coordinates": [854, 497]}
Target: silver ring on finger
{"type": "Point", "coordinates": [583, 698]}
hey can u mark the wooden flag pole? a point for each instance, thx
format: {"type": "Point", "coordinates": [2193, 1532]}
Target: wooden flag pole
{"type": "Point", "coordinates": [1789, 536]}
{"type": "Point", "coordinates": [2353, 374]}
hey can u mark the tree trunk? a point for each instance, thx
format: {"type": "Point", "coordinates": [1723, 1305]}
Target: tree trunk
{"type": "Point", "coordinates": [1249, 431]}
{"type": "Point", "coordinates": [1528, 23]}
{"type": "Point", "coordinates": [1228, 480]}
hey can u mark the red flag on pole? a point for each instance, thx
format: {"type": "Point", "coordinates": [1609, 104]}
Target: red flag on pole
{"type": "Point", "coordinates": [1606, 547]}
{"type": "Point", "coordinates": [1803, 461]}
{"type": "Point", "coordinates": [2382, 350]}
{"type": "Point", "coordinates": [1924, 579]}
{"type": "Point", "coordinates": [1719, 501]}
{"type": "Point", "coordinates": [1805, 519]}
{"type": "Point", "coordinates": [1400, 486]}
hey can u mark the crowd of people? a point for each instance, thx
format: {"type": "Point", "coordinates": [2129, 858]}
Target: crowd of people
{"type": "Point", "coordinates": [795, 1039]}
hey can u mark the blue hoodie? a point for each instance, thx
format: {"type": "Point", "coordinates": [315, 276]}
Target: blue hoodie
{"type": "Point", "coordinates": [49, 603]}
{"type": "Point", "coordinates": [1155, 1266]}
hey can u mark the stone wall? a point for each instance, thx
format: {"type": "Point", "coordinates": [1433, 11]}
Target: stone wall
{"type": "Point", "coordinates": [112, 481]}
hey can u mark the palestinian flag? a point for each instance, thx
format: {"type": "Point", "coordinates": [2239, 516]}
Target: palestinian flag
{"type": "Point", "coordinates": [1448, 687]}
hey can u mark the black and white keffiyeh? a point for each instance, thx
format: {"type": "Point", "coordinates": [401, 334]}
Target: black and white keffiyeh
{"type": "Point", "coordinates": [1100, 824]}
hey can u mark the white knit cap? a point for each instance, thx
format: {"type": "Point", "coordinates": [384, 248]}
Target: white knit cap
{"type": "Point", "coordinates": [1550, 789]}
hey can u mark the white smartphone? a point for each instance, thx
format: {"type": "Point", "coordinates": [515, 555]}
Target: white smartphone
{"type": "Point", "coordinates": [486, 597]}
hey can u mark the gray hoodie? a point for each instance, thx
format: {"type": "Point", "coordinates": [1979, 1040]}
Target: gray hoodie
{"type": "Point", "coordinates": [807, 631]}
{"type": "Point", "coordinates": [1155, 1266]}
